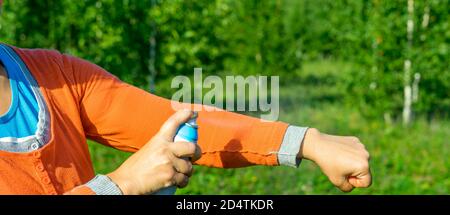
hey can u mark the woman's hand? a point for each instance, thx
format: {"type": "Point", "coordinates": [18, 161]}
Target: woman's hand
{"type": "Point", "coordinates": [159, 163]}
{"type": "Point", "coordinates": [343, 159]}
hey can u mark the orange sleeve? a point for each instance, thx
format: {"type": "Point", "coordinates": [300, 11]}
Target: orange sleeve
{"type": "Point", "coordinates": [125, 117]}
{"type": "Point", "coordinates": [80, 190]}
{"type": "Point", "coordinates": [99, 185]}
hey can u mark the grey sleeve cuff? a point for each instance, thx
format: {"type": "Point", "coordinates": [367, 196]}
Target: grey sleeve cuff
{"type": "Point", "coordinates": [102, 185]}
{"type": "Point", "coordinates": [290, 147]}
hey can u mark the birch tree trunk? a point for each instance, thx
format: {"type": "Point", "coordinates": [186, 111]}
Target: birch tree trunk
{"type": "Point", "coordinates": [407, 88]}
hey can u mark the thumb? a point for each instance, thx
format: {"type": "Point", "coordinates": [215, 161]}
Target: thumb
{"type": "Point", "coordinates": [169, 128]}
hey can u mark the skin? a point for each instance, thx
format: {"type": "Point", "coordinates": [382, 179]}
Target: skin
{"type": "Point", "coordinates": [159, 164]}
{"type": "Point", "coordinates": [5, 91]}
{"type": "Point", "coordinates": [344, 159]}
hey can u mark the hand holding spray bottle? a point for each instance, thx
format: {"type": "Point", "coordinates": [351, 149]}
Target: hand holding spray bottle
{"type": "Point", "coordinates": [186, 132]}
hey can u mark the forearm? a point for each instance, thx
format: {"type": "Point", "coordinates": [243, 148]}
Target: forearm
{"type": "Point", "coordinates": [231, 140]}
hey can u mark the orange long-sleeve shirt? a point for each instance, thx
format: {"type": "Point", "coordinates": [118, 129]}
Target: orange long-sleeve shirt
{"type": "Point", "coordinates": [84, 101]}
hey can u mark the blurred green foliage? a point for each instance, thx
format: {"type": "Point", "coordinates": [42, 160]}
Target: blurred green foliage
{"type": "Point", "coordinates": [378, 84]}
{"type": "Point", "coordinates": [340, 64]}
{"type": "Point", "coordinates": [270, 37]}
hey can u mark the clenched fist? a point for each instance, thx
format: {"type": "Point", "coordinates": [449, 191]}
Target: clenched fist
{"type": "Point", "coordinates": [159, 163]}
{"type": "Point", "coordinates": [343, 159]}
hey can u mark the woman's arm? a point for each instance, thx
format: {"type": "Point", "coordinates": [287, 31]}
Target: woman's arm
{"type": "Point", "coordinates": [124, 117]}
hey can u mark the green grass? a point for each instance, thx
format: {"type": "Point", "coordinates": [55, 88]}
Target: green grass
{"type": "Point", "coordinates": [404, 160]}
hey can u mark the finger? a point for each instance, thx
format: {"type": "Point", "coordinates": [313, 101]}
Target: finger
{"type": "Point", "coordinates": [184, 183]}
{"type": "Point", "coordinates": [346, 186]}
{"type": "Point", "coordinates": [180, 180]}
{"type": "Point", "coordinates": [197, 154]}
{"type": "Point", "coordinates": [361, 181]}
{"type": "Point", "coordinates": [182, 166]}
{"type": "Point", "coordinates": [343, 184]}
{"type": "Point", "coordinates": [184, 149]}
{"type": "Point", "coordinates": [169, 128]}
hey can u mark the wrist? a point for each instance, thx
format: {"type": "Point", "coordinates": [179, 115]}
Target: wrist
{"type": "Point", "coordinates": [307, 150]}
{"type": "Point", "coordinates": [121, 182]}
